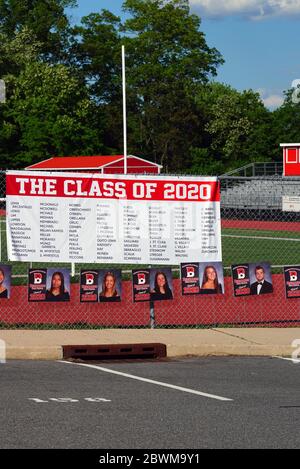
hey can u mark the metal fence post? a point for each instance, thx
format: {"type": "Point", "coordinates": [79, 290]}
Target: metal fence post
{"type": "Point", "coordinates": [152, 311]}
{"type": "Point", "coordinates": [152, 315]}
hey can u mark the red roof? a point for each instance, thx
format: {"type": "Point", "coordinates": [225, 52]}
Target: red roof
{"type": "Point", "coordinates": [84, 162]}
{"type": "Point", "coordinates": [76, 162]}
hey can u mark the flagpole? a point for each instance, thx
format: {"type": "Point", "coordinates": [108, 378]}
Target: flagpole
{"type": "Point", "coordinates": [124, 110]}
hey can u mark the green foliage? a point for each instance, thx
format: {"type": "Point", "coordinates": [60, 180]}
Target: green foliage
{"type": "Point", "coordinates": [167, 58]}
{"type": "Point", "coordinates": [46, 18]}
{"type": "Point", "coordinates": [64, 90]}
{"type": "Point", "coordinates": [95, 51]}
{"type": "Point", "coordinates": [48, 110]}
{"type": "Point", "coordinates": [286, 123]}
{"type": "Point", "coordinates": [203, 163]}
{"type": "Point", "coordinates": [15, 53]}
{"type": "Point", "coordinates": [53, 114]}
{"type": "Point", "coordinates": [166, 44]}
{"type": "Point", "coordinates": [237, 127]}
{"type": "Point", "coordinates": [33, 38]}
{"type": "Point", "coordinates": [98, 54]}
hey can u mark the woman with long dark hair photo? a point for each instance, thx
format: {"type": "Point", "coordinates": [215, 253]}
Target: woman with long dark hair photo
{"type": "Point", "coordinates": [57, 291]}
{"type": "Point", "coordinates": [161, 290]}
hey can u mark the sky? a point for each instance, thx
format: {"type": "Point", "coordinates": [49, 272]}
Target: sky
{"type": "Point", "coordinates": [259, 40]}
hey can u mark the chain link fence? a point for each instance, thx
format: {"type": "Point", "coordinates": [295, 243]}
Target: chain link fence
{"type": "Point", "coordinates": [254, 229]}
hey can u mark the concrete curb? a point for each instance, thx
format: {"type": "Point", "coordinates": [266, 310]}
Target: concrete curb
{"type": "Point", "coordinates": [228, 350]}
{"type": "Point", "coordinates": [53, 352]}
{"type": "Point", "coordinates": [47, 345]}
{"type": "Point", "coordinates": [204, 350]}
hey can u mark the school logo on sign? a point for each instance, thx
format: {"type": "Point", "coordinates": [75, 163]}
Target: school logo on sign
{"type": "Point", "coordinates": [141, 279]}
{"type": "Point", "coordinates": [89, 279]}
{"type": "Point", "coordinates": [190, 272]}
{"type": "Point", "coordinates": [241, 273]}
{"type": "Point", "coordinates": [37, 278]}
{"type": "Point", "coordinates": [293, 276]}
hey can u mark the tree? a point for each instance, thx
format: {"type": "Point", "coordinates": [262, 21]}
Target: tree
{"type": "Point", "coordinates": [15, 55]}
{"type": "Point", "coordinates": [95, 51]}
{"type": "Point", "coordinates": [237, 129]}
{"type": "Point", "coordinates": [45, 18]}
{"type": "Point", "coordinates": [48, 111]}
{"type": "Point", "coordinates": [286, 122]}
{"type": "Point", "coordinates": [64, 89]}
{"type": "Point", "coordinates": [53, 113]}
{"type": "Point", "coordinates": [167, 58]}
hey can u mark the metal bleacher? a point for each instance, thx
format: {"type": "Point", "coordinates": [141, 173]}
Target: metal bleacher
{"type": "Point", "coordinates": [261, 190]}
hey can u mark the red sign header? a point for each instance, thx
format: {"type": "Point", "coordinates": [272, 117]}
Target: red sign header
{"type": "Point", "coordinates": [31, 185]}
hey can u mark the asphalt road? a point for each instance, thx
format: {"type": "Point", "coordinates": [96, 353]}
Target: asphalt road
{"type": "Point", "coordinates": [116, 411]}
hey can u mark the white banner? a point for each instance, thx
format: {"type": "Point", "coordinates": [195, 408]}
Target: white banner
{"type": "Point", "coordinates": [93, 218]}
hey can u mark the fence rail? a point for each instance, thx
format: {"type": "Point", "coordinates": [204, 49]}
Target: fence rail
{"type": "Point", "coordinates": [261, 169]}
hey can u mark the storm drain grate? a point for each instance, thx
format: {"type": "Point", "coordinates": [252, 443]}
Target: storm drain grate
{"type": "Point", "coordinates": [114, 352]}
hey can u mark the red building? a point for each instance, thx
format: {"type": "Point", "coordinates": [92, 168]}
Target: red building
{"type": "Point", "coordinates": [97, 164]}
{"type": "Point", "coordinates": [291, 159]}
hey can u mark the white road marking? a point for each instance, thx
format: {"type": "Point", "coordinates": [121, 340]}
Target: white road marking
{"type": "Point", "coordinates": [67, 400]}
{"type": "Point", "coordinates": [151, 381]}
{"type": "Point", "coordinates": [294, 360]}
